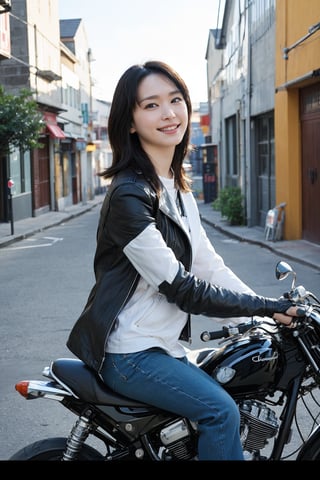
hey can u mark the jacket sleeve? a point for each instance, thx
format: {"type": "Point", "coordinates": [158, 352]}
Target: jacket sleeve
{"type": "Point", "coordinates": [210, 266]}
{"type": "Point", "coordinates": [201, 297]}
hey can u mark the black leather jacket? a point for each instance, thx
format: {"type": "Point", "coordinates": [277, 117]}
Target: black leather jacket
{"type": "Point", "coordinates": [117, 278]}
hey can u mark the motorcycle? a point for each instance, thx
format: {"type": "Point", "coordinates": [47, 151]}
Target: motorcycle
{"type": "Point", "coordinates": [270, 370]}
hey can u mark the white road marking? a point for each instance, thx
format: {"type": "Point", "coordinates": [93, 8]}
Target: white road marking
{"type": "Point", "coordinates": [23, 247]}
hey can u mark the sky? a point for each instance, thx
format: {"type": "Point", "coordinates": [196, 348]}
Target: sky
{"type": "Point", "coordinates": [124, 32]}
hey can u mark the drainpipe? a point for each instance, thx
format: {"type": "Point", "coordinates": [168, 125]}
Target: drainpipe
{"type": "Point", "coordinates": [249, 187]}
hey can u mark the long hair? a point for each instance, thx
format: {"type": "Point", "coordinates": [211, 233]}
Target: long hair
{"type": "Point", "coordinates": [126, 148]}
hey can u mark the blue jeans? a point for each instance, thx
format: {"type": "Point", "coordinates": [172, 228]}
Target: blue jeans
{"type": "Point", "coordinates": [175, 385]}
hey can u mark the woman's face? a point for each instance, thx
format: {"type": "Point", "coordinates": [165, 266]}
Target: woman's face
{"type": "Point", "coordinates": [160, 118]}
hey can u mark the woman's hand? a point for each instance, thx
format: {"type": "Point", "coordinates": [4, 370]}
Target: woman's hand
{"type": "Point", "coordinates": [288, 317]}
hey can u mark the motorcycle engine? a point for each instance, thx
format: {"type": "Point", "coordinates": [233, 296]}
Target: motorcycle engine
{"type": "Point", "coordinates": [258, 423]}
{"type": "Point", "coordinates": [177, 441]}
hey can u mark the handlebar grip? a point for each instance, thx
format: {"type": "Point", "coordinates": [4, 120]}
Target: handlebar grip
{"type": "Point", "coordinates": [227, 331]}
{"type": "Point", "coordinates": [207, 336]}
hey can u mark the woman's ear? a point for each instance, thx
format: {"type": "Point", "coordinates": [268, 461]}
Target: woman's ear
{"type": "Point", "coordinates": [132, 130]}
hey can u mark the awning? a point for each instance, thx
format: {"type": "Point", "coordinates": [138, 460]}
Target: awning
{"type": "Point", "coordinates": [55, 131]}
{"type": "Point", "coordinates": [52, 126]}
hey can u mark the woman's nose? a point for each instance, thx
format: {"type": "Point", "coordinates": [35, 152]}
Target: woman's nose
{"type": "Point", "coordinates": [167, 112]}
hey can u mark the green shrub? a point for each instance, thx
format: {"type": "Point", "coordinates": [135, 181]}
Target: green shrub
{"type": "Point", "coordinates": [230, 203]}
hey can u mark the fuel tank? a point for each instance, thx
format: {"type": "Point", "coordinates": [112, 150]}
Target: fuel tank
{"type": "Point", "coordinates": [246, 365]}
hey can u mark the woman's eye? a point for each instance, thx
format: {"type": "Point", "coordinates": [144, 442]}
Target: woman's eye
{"type": "Point", "coordinates": [177, 99]}
{"type": "Point", "coordinates": [150, 105]}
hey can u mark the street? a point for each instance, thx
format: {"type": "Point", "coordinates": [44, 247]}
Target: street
{"type": "Point", "coordinates": [44, 284]}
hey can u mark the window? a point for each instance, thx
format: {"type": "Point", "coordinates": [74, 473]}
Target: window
{"type": "Point", "coordinates": [232, 157]}
{"type": "Point", "coordinates": [20, 172]}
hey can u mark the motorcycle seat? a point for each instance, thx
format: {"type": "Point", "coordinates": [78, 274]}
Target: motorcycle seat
{"type": "Point", "coordinates": [84, 383]}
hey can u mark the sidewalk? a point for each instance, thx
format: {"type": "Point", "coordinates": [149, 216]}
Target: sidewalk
{"type": "Point", "coordinates": [299, 251]}
{"type": "Point", "coordinates": [29, 226]}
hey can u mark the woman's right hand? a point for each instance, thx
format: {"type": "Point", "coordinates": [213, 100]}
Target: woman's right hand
{"type": "Point", "coordinates": [288, 317]}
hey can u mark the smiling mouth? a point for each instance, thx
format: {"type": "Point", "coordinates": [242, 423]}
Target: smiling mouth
{"type": "Point", "coordinates": [172, 128]}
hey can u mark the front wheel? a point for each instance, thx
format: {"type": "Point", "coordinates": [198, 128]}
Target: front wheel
{"type": "Point", "coordinates": [313, 453]}
{"type": "Point", "coordinates": [311, 448]}
{"type": "Point", "coordinates": [51, 449]}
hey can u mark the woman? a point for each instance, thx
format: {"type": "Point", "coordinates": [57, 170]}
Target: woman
{"type": "Point", "coordinates": [154, 266]}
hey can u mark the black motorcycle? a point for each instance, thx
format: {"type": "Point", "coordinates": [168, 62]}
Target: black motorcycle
{"type": "Point", "coordinates": [271, 371]}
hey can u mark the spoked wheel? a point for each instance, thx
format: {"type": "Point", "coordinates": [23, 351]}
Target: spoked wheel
{"type": "Point", "coordinates": [52, 449]}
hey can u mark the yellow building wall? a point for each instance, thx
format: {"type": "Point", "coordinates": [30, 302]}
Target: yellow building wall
{"type": "Point", "coordinates": [294, 18]}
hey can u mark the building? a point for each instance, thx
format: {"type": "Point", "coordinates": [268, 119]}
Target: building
{"type": "Point", "coordinates": [262, 61]}
{"type": "Point", "coordinates": [34, 64]}
{"type": "Point", "coordinates": [51, 58]}
{"type": "Point", "coordinates": [102, 149]}
{"type": "Point", "coordinates": [297, 116]}
{"type": "Point", "coordinates": [76, 99]}
{"type": "Point", "coordinates": [240, 70]}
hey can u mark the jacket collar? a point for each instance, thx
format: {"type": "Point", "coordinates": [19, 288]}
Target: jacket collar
{"type": "Point", "coordinates": [170, 209]}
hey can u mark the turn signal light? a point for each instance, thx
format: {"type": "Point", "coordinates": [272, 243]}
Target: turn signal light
{"type": "Point", "coordinates": [22, 388]}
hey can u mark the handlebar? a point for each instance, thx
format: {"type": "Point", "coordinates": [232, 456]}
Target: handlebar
{"type": "Point", "coordinates": [304, 311]}
{"type": "Point", "coordinates": [226, 332]}
{"type": "Point", "coordinates": [308, 303]}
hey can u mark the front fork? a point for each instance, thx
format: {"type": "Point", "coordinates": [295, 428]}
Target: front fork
{"type": "Point", "coordinates": [286, 423]}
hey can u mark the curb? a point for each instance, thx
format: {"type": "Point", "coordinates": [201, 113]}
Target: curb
{"type": "Point", "coordinates": [271, 248]}
{"type": "Point", "coordinates": [66, 216]}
